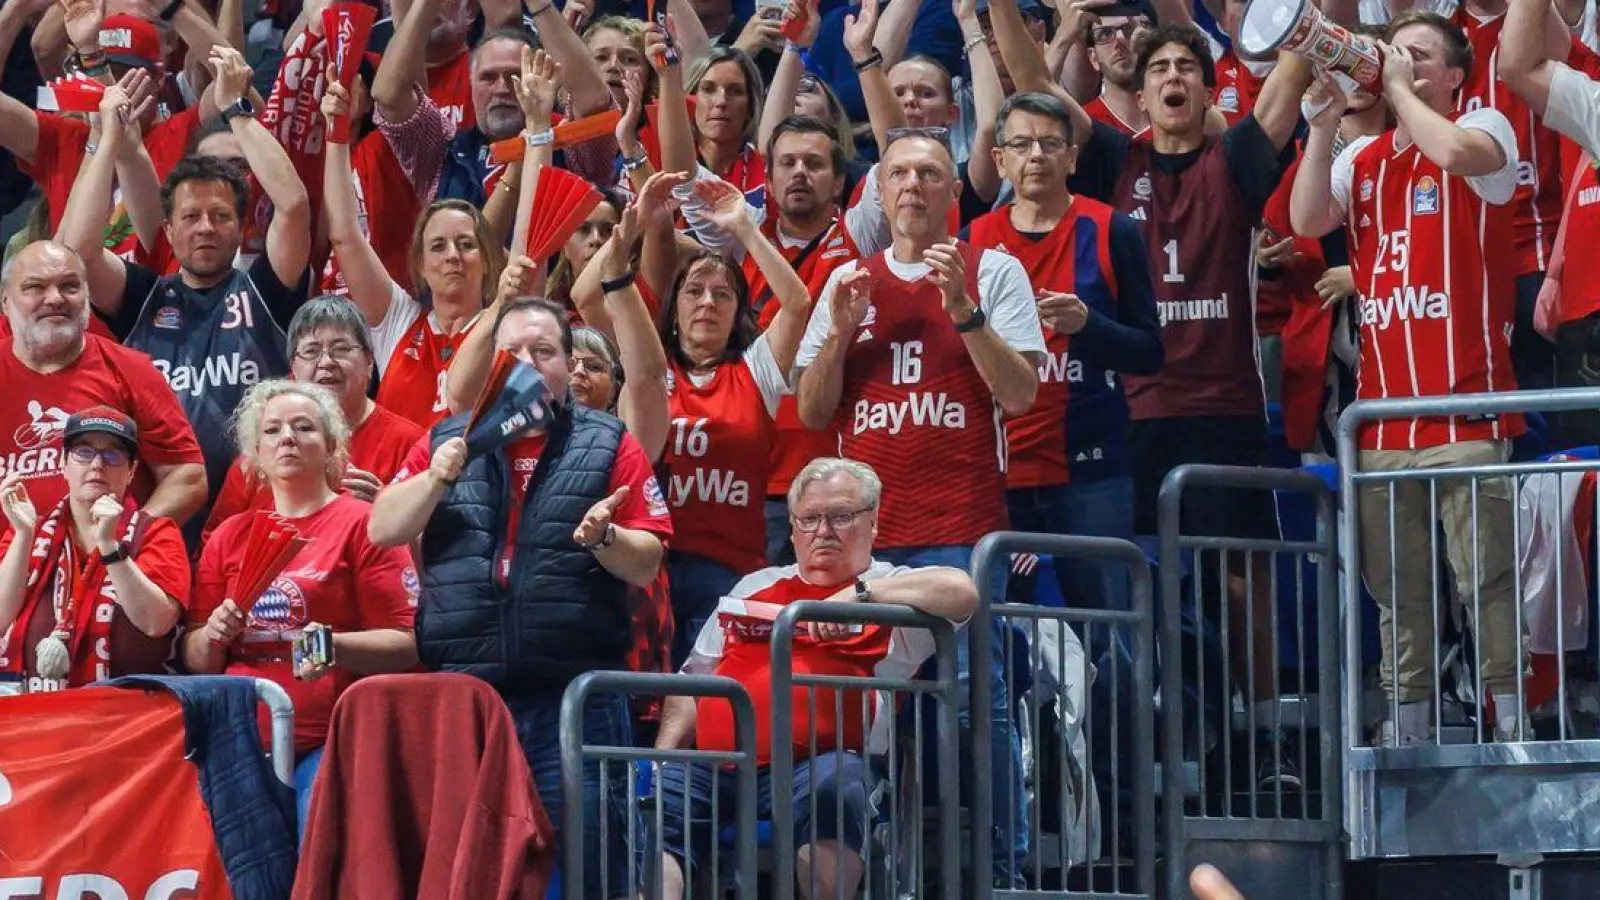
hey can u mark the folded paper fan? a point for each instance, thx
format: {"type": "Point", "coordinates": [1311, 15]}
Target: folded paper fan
{"type": "Point", "coordinates": [75, 93]}
{"type": "Point", "coordinates": [347, 27]}
{"type": "Point", "coordinates": [561, 201]}
{"type": "Point", "coordinates": [270, 545]}
{"type": "Point", "coordinates": [499, 371]}
{"type": "Point", "coordinates": [508, 408]}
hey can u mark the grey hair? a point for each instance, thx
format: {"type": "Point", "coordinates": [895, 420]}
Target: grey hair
{"type": "Point", "coordinates": [1035, 103]}
{"type": "Point", "coordinates": [330, 311]}
{"type": "Point", "coordinates": [247, 419]}
{"type": "Point", "coordinates": [824, 467]}
{"type": "Point", "coordinates": [590, 340]}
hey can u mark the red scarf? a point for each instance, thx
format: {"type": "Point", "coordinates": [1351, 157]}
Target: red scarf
{"type": "Point", "coordinates": [76, 587]}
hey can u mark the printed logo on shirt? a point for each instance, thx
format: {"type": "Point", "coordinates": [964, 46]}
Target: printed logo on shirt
{"type": "Point", "coordinates": [1193, 310]}
{"type": "Point", "coordinates": [1366, 189]}
{"type": "Point", "coordinates": [672, 381]}
{"type": "Point", "coordinates": [1405, 304]}
{"type": "Point", "coordinates": [864, 336]}
{"type": "Point", "coordinates": [870, 317]}
{"type": "Point", "coordinates": [1425, 196]}
{"type": "Point", "coordinates": [1366, 221]}
{"type": "Point", "coordinates": [1142, 188]}
{"type": "Point", "coordinates": [653, 500]}
{"type": "Point", "coordinates": [44, 427]}
{"type": "Point", "coordinates": [920, 409]}
{"type": "Point", "coordinates": [168, 317]}
{"type": "Point", "coordinates": [1058, 368]}
{"type": "Point", "coordinates": [1137, 214]}
{"type": "Point", "coordinates": [1589, 196]}
{"type": "Point", "coordinates": [229, 369]}
{"type": "Point", "coordinates": [411, 584]}
{"type": "Point", "coordinates": [1526, 175]}
{"type": "Point", "coordinates": [1228, 100]}
{"type": "Point", "coordinates": [836, 253]}
{"type": "Point", "coordinates": [281, 608]}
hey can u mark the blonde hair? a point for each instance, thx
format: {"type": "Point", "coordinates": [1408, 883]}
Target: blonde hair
{"type": "Point", "coordinates": [247, 421]}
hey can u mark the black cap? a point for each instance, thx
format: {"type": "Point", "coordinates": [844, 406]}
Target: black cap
{"type": "Point", "coordinates": [103, 420]}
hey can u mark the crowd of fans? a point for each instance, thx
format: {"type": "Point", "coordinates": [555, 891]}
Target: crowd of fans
{"type": "Point", "coordinates": [864, 285]}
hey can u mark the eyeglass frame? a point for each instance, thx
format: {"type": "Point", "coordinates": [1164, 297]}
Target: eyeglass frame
{"type": "Point", "coordinates": [1023, 144]}
{"type": "Point", "coordinates": [850, 519]}
{"type": "Point", "coordinates": [1127, 29]}
{"type": "Point", "coordinates": [78, 451]}
{"type": "Point", "coordinates": [301, 352]}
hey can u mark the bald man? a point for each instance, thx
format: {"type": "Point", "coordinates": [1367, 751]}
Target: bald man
{"type": "Point", "coordinates": [52, 368]}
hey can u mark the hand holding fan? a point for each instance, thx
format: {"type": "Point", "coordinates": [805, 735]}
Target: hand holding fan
{"type": "Point", "coordinates": [270, 545]}
{"type": "Point", "coordinates": [511, 405]}
{"type": "Point", "coordinates": [347, 27]}
{"type": "Point", "coordinates": [561, 201]}
{"type": "Point", "coordinates": [74, 93]}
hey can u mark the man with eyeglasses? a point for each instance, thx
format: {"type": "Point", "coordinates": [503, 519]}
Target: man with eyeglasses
{"type": "Point", "coordinates": [834, 506]}
{"type": "Point", "coordinates": [51, 368]}
{"type": "Point", "coordinates": [1110, 46]}
{"type": "Point", "coordinates": [331, 345]}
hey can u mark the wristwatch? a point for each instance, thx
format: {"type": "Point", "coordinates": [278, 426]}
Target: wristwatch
{"type": "Point", "coordinates": [607, 538]}
{"type": "Point", "coordinates": [115, 556]}
{"type": "Point", "coordinates": [863, 593]}
{"type": "Point", "coordinates": [241, 107]}
{"type": "Point", "coordinates": [977, 321]}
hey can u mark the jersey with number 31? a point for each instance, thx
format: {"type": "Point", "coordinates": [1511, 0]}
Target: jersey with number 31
{"type": "Point", "coordinates": [1432, 257]}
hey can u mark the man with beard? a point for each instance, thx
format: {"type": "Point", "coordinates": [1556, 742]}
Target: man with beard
{"type": "Point", "coordinates": [52, 368]}
{"type": "Point", "coordinates": [1198, 199]}
{"type": "Point", "coordinates": [1110, 44]}
{"type": "Point", "coordinates": [213, 330]}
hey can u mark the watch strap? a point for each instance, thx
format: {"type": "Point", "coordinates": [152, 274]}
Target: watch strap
{"type": "Point", "coordinates": [115, 556]}
{"type": "Point", "coordinates": [621, 282]}
{"type": "Point", "coordinates": [978, 320]}
{"type": "Point", "coordinates": [863, 592]}
{"type": "Point", "coordinates": [170, 11]}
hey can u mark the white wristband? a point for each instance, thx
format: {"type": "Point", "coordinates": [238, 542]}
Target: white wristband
{"type": "Point", "coordinates": [541, 139]}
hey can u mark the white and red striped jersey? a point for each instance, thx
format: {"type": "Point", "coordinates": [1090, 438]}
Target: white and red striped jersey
{"type": "Point", "coordinates": [1437, 289]}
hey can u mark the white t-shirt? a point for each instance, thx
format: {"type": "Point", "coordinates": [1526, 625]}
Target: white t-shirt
{"type": "Point", "coordinates": [1494, 188]}
{"type": "Point", "coordinates": [1004, 294]}
{"type": "Point", "coordinates": [763, 368]}
{"type": "Point", "coordinates": [1574, 106]}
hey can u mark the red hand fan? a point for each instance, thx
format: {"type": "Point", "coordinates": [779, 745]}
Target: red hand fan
{"type": "Point", "coordinates": [501, 369]}
{"type": "Point", "coordinates": [75, 93]}
{"type": "Point", "coordinates": [561, 201]}
{"type": "Point", "coordinates": [347, 26]}
{"type": "Point", "coordinates": [270, 545]}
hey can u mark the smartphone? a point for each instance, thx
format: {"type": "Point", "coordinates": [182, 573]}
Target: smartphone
{"type": "Point", "coordinates": [313, 647]}
{"type": "Point", "coordinates": [672, 45]}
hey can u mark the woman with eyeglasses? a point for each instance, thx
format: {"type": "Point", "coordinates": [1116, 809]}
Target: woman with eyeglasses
{"type": "Point", "coordinates": [331, 346]}
{"type": "Point", "coordinates": [91, 589]}
{"type": "Point", "coordinates": [455, 264]}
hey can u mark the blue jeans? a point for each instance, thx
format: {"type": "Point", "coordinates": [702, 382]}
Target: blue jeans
{"type": "Point", "coordinates": [697, 584]}
{"type": "Point", "coordinates": [305, 778]}
{"type": "Point", "coordinates": [1010, 838]}
{"type": "Point", "coordinates": [1098, 508]}
{"type": "Point", "coordinates": [605, 721]}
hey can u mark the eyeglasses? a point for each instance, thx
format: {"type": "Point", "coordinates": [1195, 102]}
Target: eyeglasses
{"type": "Point", "coordinates": [1105, 34]}
{"type": "Point", "coordinates": [339, 352]}
{"type": "Point", "coordinates": [1048, 145]}
{"type": "Point", "coordinates": [932, 132]}
{"type": "Point", "coordinates": [593, 365]}
{"type": "Point", "coordinates": [113, 457]}
{"type": "Point", "coordinates": [838, 521]}
{"type": "Point", "coordinates": [807, 84]}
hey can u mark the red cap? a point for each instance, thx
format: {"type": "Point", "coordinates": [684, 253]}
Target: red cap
{"type": "Point", "coordinates": [131, 40]}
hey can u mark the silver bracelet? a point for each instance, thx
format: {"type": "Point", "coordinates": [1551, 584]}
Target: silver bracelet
{"type": "Point", "coordinates": [540, 139]}
{"type": "Point", "coordinates": [796, 49]}
{"type": "Point", "coordinates": [975, 40]}
{"type": "Point", "coordinates": [90, 147]}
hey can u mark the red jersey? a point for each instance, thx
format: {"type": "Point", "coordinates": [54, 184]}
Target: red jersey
{"type": "Point", "coordinates": [378, 445]}
{"type": "Point", "coordinates": [1037, 440]}
{"type": "Point", "coordinates": [412, 381]}
{"type": "Point", "coordinates": [1437, 294]}
{"type": "Point", "coordinates": [793, 444]}
{"type": "Point", "coordinates": [737, 643]}
{"type": "Point", "coordinates": [60, 154]}
{"type": "Point", "coordinates": [34, 409]}
{"type": "Point", "coordinates": [1580, 282]}
{"type": "Point", "coordinates": [1098, 110]}
{"type": "Point", "coordinates": [1538, 201]}
{"type": "Point", "coordinates": [386, 207]}
{"type": "Point", "coordinates": [450, 88]}
{"type": "Point", "coordinates": [643, 509]}
{"type": "Point", "coordinates": [719, 455]}
{"type": "Point", "coordinates": [1237, 88]}
{"type": "Point", "coordinates": [339, 579]}
{"type": "Point", "coordinates": [912, 394]}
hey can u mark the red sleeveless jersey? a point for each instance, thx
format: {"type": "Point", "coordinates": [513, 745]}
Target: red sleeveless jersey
{"type": "Point", "coordinates": [1037, 440]}
{"type": "Point", "coordinates": [1200, 230]}
{"type": "Point", "coordinates": [1098, 110]}
{"type": "Point", "coordinates": [1537, 204]}
{"type": "Point", "coordinates": [1437, 293]}
{"type": "Point", "coordinates": [913, 396]}
{"type": "Point", "coordinates": [413, 381]}
{"type": "Point", "coordinates": [1580, 281]}
{"type": "Point", "coordinates": [794, 445]}
{"type": "Point", "coordinates": [719, 454]}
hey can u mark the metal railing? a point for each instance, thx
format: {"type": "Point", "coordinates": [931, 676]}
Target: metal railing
{"type": "Point", "coordinates": [643, 844]}
{"type": "Point", "coordinates": [281, 710]}
{"type": "Point", "coordinates": [1443, 541]}
{"type": "Point", "coordinates": [1047, 648]}
{"type": "Point", "coordinates": [892, 858]}
{"type": "Point", "coordinates": [1250, 759]}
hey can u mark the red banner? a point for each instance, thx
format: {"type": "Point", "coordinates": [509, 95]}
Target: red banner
{"type": "Point", "coordinates": [97, 801]}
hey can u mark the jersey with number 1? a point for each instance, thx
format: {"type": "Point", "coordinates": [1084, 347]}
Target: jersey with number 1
{"type": "Point", "coordinates": [1436, 284]}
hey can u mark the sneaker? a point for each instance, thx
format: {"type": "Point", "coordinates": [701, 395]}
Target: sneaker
{"type": "Point", "coordinates": [1277, 768]}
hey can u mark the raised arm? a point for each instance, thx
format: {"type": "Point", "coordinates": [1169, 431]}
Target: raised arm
{"type": "Point", "coordinates": [779, 104]}
{"type": "Point", "coordinates": [822, 382]}
{"type": "Point", "coordinates": [987, 97]}
{"type": "Point", "coordinates": [402, 75]}
{"type": "Point", "coordinates": [642, 404]}
{"type": "Point", "coordinates": [401, 511]}
{"type": "Point", "coordinates": [1522, 62]}
{"type": "Point", "coordinates": [673, 127]}
{"type": "Point", "coordinates": [19, 124]}
{"type": "Point", "coordinates": [690, 34]}
{"type": "Point", "coordinates": [469, 369]}
{"type": "Point", "coordinates": [202, 36]}
{"type": "Point", "coordinates": [371, 288]}
{"type": "Point", "coordinates": [580, 76]}
{"type": "Point", "coordinates": [893, 33]}
{"type": "Point", "coordinates": [726, 209]}
{"type": "Point", "coordinates": [1025, 61]}
{"type": "Point", "coordinates": [1278, 106]}
{"type": "Point", "coordinates": [289, 234]}
{"type": "Point", "coordinates": [536, 94]}
{"type": "Point", "coordinates": [89, 205]}
{"type": "Point", "coordinates": [883, 112]}
{"type": "Point", "coordinates": [1313, 210]}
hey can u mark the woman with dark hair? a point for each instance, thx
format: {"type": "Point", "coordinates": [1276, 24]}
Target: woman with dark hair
{"type": "Point", "coordinates": [724, 381]}
{"type": "Point", "coordinates": [455, 264]}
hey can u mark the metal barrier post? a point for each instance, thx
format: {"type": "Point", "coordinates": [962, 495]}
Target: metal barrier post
{"type": "Point", "coordinates": [1228, 826]}
{"type": "Point", "coordinates": [944, 688]}
{"type": "Point", "coordinates": [282, 711]}
{"type": "Point", "coordinates": [995, 550]}
{"type": "Point", "coordinates": [574, 750]}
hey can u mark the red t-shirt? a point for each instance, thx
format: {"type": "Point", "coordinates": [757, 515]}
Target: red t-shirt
{"type": "Point", "coordinates": [1237, 88]}
{"type": "Point", "coordinates": [163, 559]}
{"type": "Point", "coordinates": [340, 579]}
{"type": "Point", "coordinates": [60, 154]}
{"type": "Point", "coordinates": [34, 409]}
{"type": "Point", "coordinates": [379, 445]}
{"type": "Point", "coordinates": [644, 509]}
{"type": "Point", "coordinates": [1098, 110]}
{"type": "Point", "coordinates": [450, 88]}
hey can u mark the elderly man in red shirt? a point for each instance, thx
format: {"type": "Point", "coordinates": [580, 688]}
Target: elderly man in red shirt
{"type": "Point", "coordinates": [833, 508]}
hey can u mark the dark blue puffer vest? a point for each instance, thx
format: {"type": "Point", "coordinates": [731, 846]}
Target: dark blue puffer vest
{"type": "Point", "coordinates": [561, 613]}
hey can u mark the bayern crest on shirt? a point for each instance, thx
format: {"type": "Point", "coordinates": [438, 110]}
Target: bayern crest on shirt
{"type": "Point", "coordinates": [281, 608]}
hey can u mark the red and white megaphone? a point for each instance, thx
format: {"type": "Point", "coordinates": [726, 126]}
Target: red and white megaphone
{"type": "Point", "coordinates": [1299, 27]}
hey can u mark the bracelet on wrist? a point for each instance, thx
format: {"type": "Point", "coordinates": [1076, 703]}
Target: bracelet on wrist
{"type": "Point", "coordinates": [972, 43]}
{"type": "Point", "coordinates": [792, 47]}
{"type": "Point", "coordinates": [534, 14]}
{"type": "Point", "coordinates": [170, 11]}
{"type": "Point", "coordinates": [540, 138]}
{"type": "Point", "coordinates": [621, 282]}
{"type": "Point", "coordinates": [635, 163]}
{"type": "Point", "coordinates": [90, 147]}
{"type": "Point", "coordinates": [875, 58]}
